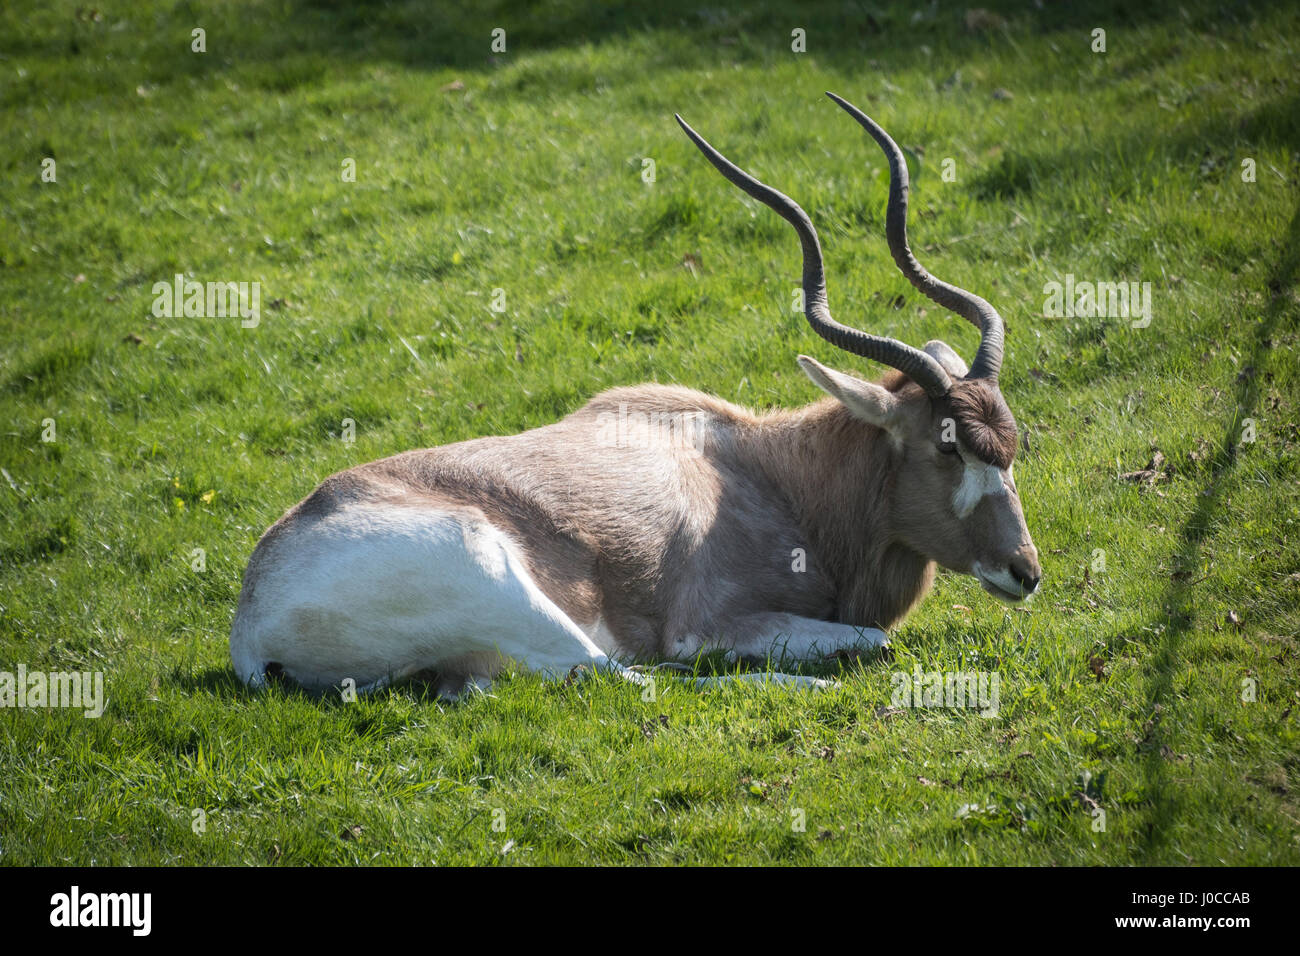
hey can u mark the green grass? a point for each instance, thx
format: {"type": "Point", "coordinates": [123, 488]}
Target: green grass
{"type": "Point", "coordinates": [226, 166]}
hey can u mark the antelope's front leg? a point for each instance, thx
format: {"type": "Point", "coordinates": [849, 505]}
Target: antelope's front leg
{"type": "Point", "coordinates": [780, 636]}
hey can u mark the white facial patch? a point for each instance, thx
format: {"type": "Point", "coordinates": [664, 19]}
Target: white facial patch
{"type": "Point", "coordinates": [978, 480]}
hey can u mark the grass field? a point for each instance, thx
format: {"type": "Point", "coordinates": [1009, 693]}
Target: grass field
{"type": "Point", "coordinates": [1125, 733]}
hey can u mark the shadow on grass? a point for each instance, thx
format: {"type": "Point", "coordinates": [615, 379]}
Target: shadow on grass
{"type": "Point", "coordinates": [221, 683]}
{"type": "Point", "coordinates": [1179, 612]}
{"type": "Point", "coordinates": [459, 34]}
{"type": "Point", "coordinates": [292, 45]}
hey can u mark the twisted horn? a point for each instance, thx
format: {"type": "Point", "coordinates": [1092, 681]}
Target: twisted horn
{"type": "Point", "coordinates": [914, 363]}
{"type": "Point", "coordinates": [988, 359]}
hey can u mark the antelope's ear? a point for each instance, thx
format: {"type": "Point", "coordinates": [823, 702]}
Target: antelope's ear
{"type": "Point", "coordinates": [871, 403]}
{"type": "Point", "coordinates": [942, 353]}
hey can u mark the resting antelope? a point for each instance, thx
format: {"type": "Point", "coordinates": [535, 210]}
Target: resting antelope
{"type": "Point", "coordinates": [601, 539]}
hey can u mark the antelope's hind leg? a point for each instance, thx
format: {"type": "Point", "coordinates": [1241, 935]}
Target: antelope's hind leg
{"type": "Point", "coordinates": [376, 593]}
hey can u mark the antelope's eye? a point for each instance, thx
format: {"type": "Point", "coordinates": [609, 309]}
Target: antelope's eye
{"type": "Point", "coordinates": [949, 448]}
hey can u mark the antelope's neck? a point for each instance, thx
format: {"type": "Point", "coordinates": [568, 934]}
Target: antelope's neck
{"type": "Point", "coordinates": [836, 474]}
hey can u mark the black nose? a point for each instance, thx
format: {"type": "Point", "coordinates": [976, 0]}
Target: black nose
{"type": "Point", "coordinates": [1027, 575]}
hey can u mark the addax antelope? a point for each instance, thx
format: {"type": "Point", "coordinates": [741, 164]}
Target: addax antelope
{"type": "Point", "coordinates": [657, 522]}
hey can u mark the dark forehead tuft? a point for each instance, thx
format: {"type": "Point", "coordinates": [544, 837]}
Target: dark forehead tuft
{"type": "Point", "coordinates": [984, 423]}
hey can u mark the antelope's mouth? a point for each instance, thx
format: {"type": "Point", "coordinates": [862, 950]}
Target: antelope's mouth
{"type": "Point", "coordinates": [1001, 586]}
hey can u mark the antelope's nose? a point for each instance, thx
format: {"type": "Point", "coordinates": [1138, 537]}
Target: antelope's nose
{"type": "Point", "coordinates": [1024, 568]}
